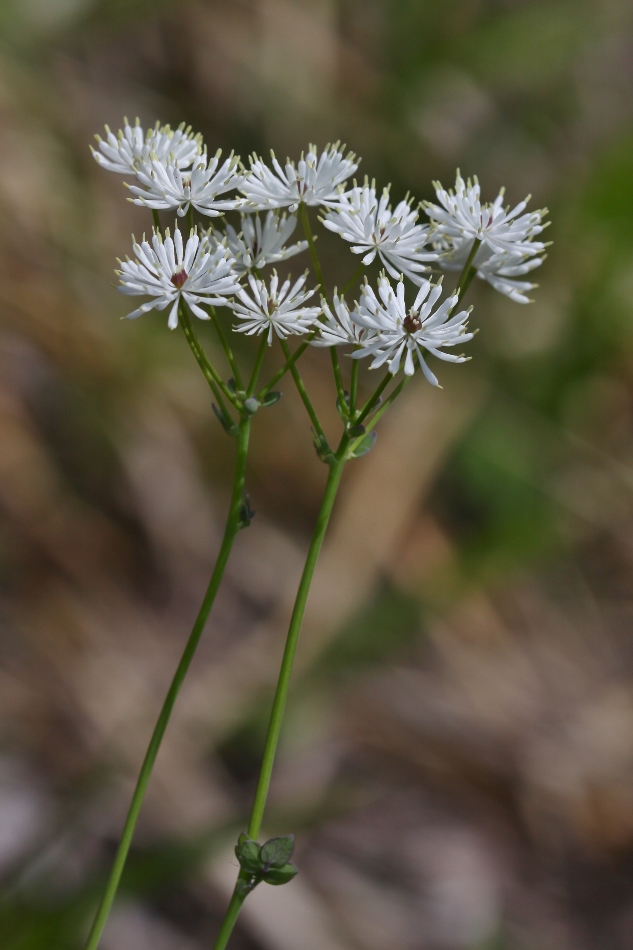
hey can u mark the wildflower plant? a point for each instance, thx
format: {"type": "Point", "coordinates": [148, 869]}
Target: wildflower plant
{"type": "Point", "coordinates": [403, 322]}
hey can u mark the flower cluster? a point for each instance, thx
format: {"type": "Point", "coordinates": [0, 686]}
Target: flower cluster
{"type": "Point", "coordinates": [372, 227]}
{"type": "Point", "coordinates": [506, 248]}
{"type": "Point", "coordinates": [173, 173]}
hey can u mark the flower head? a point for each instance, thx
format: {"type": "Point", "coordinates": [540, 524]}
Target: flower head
{"type": "Point", "coordinates": [339, 327]}
{"type": "Point", "coordinates": [167, 187]}
{"type": "Point", "coordinates": [130, 147]}
{"type": "Point", "coordinates": [461, 217]}
{"type": "Point", "coordinates": [260, 243]}
{"type": "Point", "coordinates": [166, 271]}
{"type": "Point", "coordinates": [274, 308]}
{"type": "Point", "coordinates": [399, 329]}
{"type": "Point", "coordinates": [315, 180]}
{"type": "Point", "coordinates": [370, 224]}
{"type": "Point", "coordinates": [499, 270]}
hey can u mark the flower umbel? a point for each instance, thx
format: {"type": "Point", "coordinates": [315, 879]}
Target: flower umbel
{"type": "Point", "coordinates": [167, 272]}
{"type": "Point", "coordinates": [130, 147]}
{"type": "Point", "coordinates": [315, 180]}
{"type": "Point", "coordinates": [409, 330]}
{"type": "Point", "coordinates": [275, 309]}
{"type": "Point", "coordinates": [339, 327]}
{"type": "Point", "coordinates": [372, 227]}
{"type": "Point", "coordinates": [167, 187]}
{"type": "Point", "coordinates": [461, 217]}
{"type": "Point", "coordinates": [260, 243]}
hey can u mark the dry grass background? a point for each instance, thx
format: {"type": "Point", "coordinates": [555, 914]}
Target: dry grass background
{"type": "Point", "coordinates": [458, 759]}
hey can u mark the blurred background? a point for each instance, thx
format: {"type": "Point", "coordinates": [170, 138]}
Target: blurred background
{"type": "Point", "coordinates": [458, 757]}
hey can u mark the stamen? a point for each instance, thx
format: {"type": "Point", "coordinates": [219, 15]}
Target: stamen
{"type": "Point", "coordinates": [412, 322]}
{"type": "Point", "coordinates": [179, 278]}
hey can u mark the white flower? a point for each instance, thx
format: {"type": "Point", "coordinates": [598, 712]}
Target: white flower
{"type": "Point", "coordinates": [339, 327]}
{"type": "Point", "coordinates": [373, 228]}
{"type": "Point", "coordinates": [259, 244]}
{"type": "Point", "coordinates": [499, 270]}
{"type": "Point", "coordinates": [127, 149]}
{"type": "Point", "coordinates": [315, 180]}
{"type": "Point", "coordinates": [167, 272]}
{"type": "Point", "coordinates": [279, 310]}
{"type": "Point", "coordinates": [462, 217]}
{"type": "Point", "coordinates": [167, 187]}
{"type": "Point", "coordinates": [399, 329]}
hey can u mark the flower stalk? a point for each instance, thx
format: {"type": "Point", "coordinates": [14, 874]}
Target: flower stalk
{"type": "Point", "coordinates": [234, 523]}
{"type": "Point", "coordinates": [240, 891]}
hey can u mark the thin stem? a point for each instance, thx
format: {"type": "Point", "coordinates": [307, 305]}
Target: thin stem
{"type": "Point", "coordinates": [287, 365]}
{"type": "Point", "coordinates": [156, 218]}
{"type": "Point", "coordinates": [338, 379]}
{"type": "Point", "coordinates": [235, 905]}
{"type": "Point", "coordinates": [283, 683]}
{"type": "Point", "coordinates": [227, 348]}
{"type": "Point", "coordinates": [305, 221]}
{"type": "Point", "coordinates": [382, 409]}
{"type": "Point", "coordinates": [233, 525]}
{"type": "Point", "coordinates": [259, 359]}
{"type": "Point", "coordinates": [209, 372]}
{"type": "Point", "coordinates": [190, 218]}
{"type": "Point", "coordinates": [353, 388]}
{"type": "Point", "coordinates": [350, 283]}
{"type": "Point", "coordinates": [336, 367]}
{"type": "Point", "coordinates": [373, 399]}
{"type": "Point", "coordinates": [197, 351]}
{"type": "Point", "coordinates": [281, 693]}
{"type": "Point", "coordinates": [302, 391]}
{"type": "Point", "coordinates": [468, 271]}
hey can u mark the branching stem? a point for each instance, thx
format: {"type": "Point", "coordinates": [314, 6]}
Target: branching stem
{"type": "Point", "coordinates": [227, 348]}
{"type": "Point", "coordinates": [302, 390]}
{"type": "Point", "coordinates": [208, 370]}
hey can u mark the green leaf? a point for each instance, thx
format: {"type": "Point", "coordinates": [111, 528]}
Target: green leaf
{"type": "Point", "coordinates": [224, 422]}
{"type": "Point", "coordinates": [248, 853]}
{"type": "Point", "coordinates": [271, 398]}
{"type": "Point", "coordinates": [276, 852]}
{"type": "Point", "coordinates": [364, 446]}
{"type": "Point", "coordinates": [281, 875]}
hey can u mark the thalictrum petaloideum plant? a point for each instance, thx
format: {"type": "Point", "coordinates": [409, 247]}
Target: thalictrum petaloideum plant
{"type": "Point", "coordinates": [223, 275]}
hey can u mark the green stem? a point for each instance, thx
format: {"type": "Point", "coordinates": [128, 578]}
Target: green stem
{"type": "Point", "coordinates": [283, 683]}
{"type": "Point", "coordinates": [338, 379]}
{"type": "Point", "coordinates": [382, 410]}
{"type": "Point", "coordinates": [259, 359]}
{"type": "Point", "coordinates": [196, 349]}
{"type": "Point", "coordinates": [468, 271]}
{"type": "Point", "coordinates": [209, 372]}
{"type": "Point", "coordinates": [235, 905]}
{"type": "Point", "coordinates": [305, 221]}
{"type": "Point", "coordinates": [227, 348]}
{"type": "Point", "coordinates": [156, 218]}
{"type": "Point", "coordinates": [373, 399]}
{"type": "Point", "coordinates": [287, 365]}
{"type": "Point", "coordinates": [350, 283]}
{"type": "Point", "coordinates": [281, 693]}
{"type": "Point", "coordinates": [353, 389]}
{"type": "Point", "coordinates": [190, 218]}
{"type": "Point", "coordinates": [302, 391]}
{"type": "Point", "coordinates": [233, 525]}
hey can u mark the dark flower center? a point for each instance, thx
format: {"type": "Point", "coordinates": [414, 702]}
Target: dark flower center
{"type": "Point", "coordinates": [412, 322]}
{"type": "Point", "coordinates": [179, 278]}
